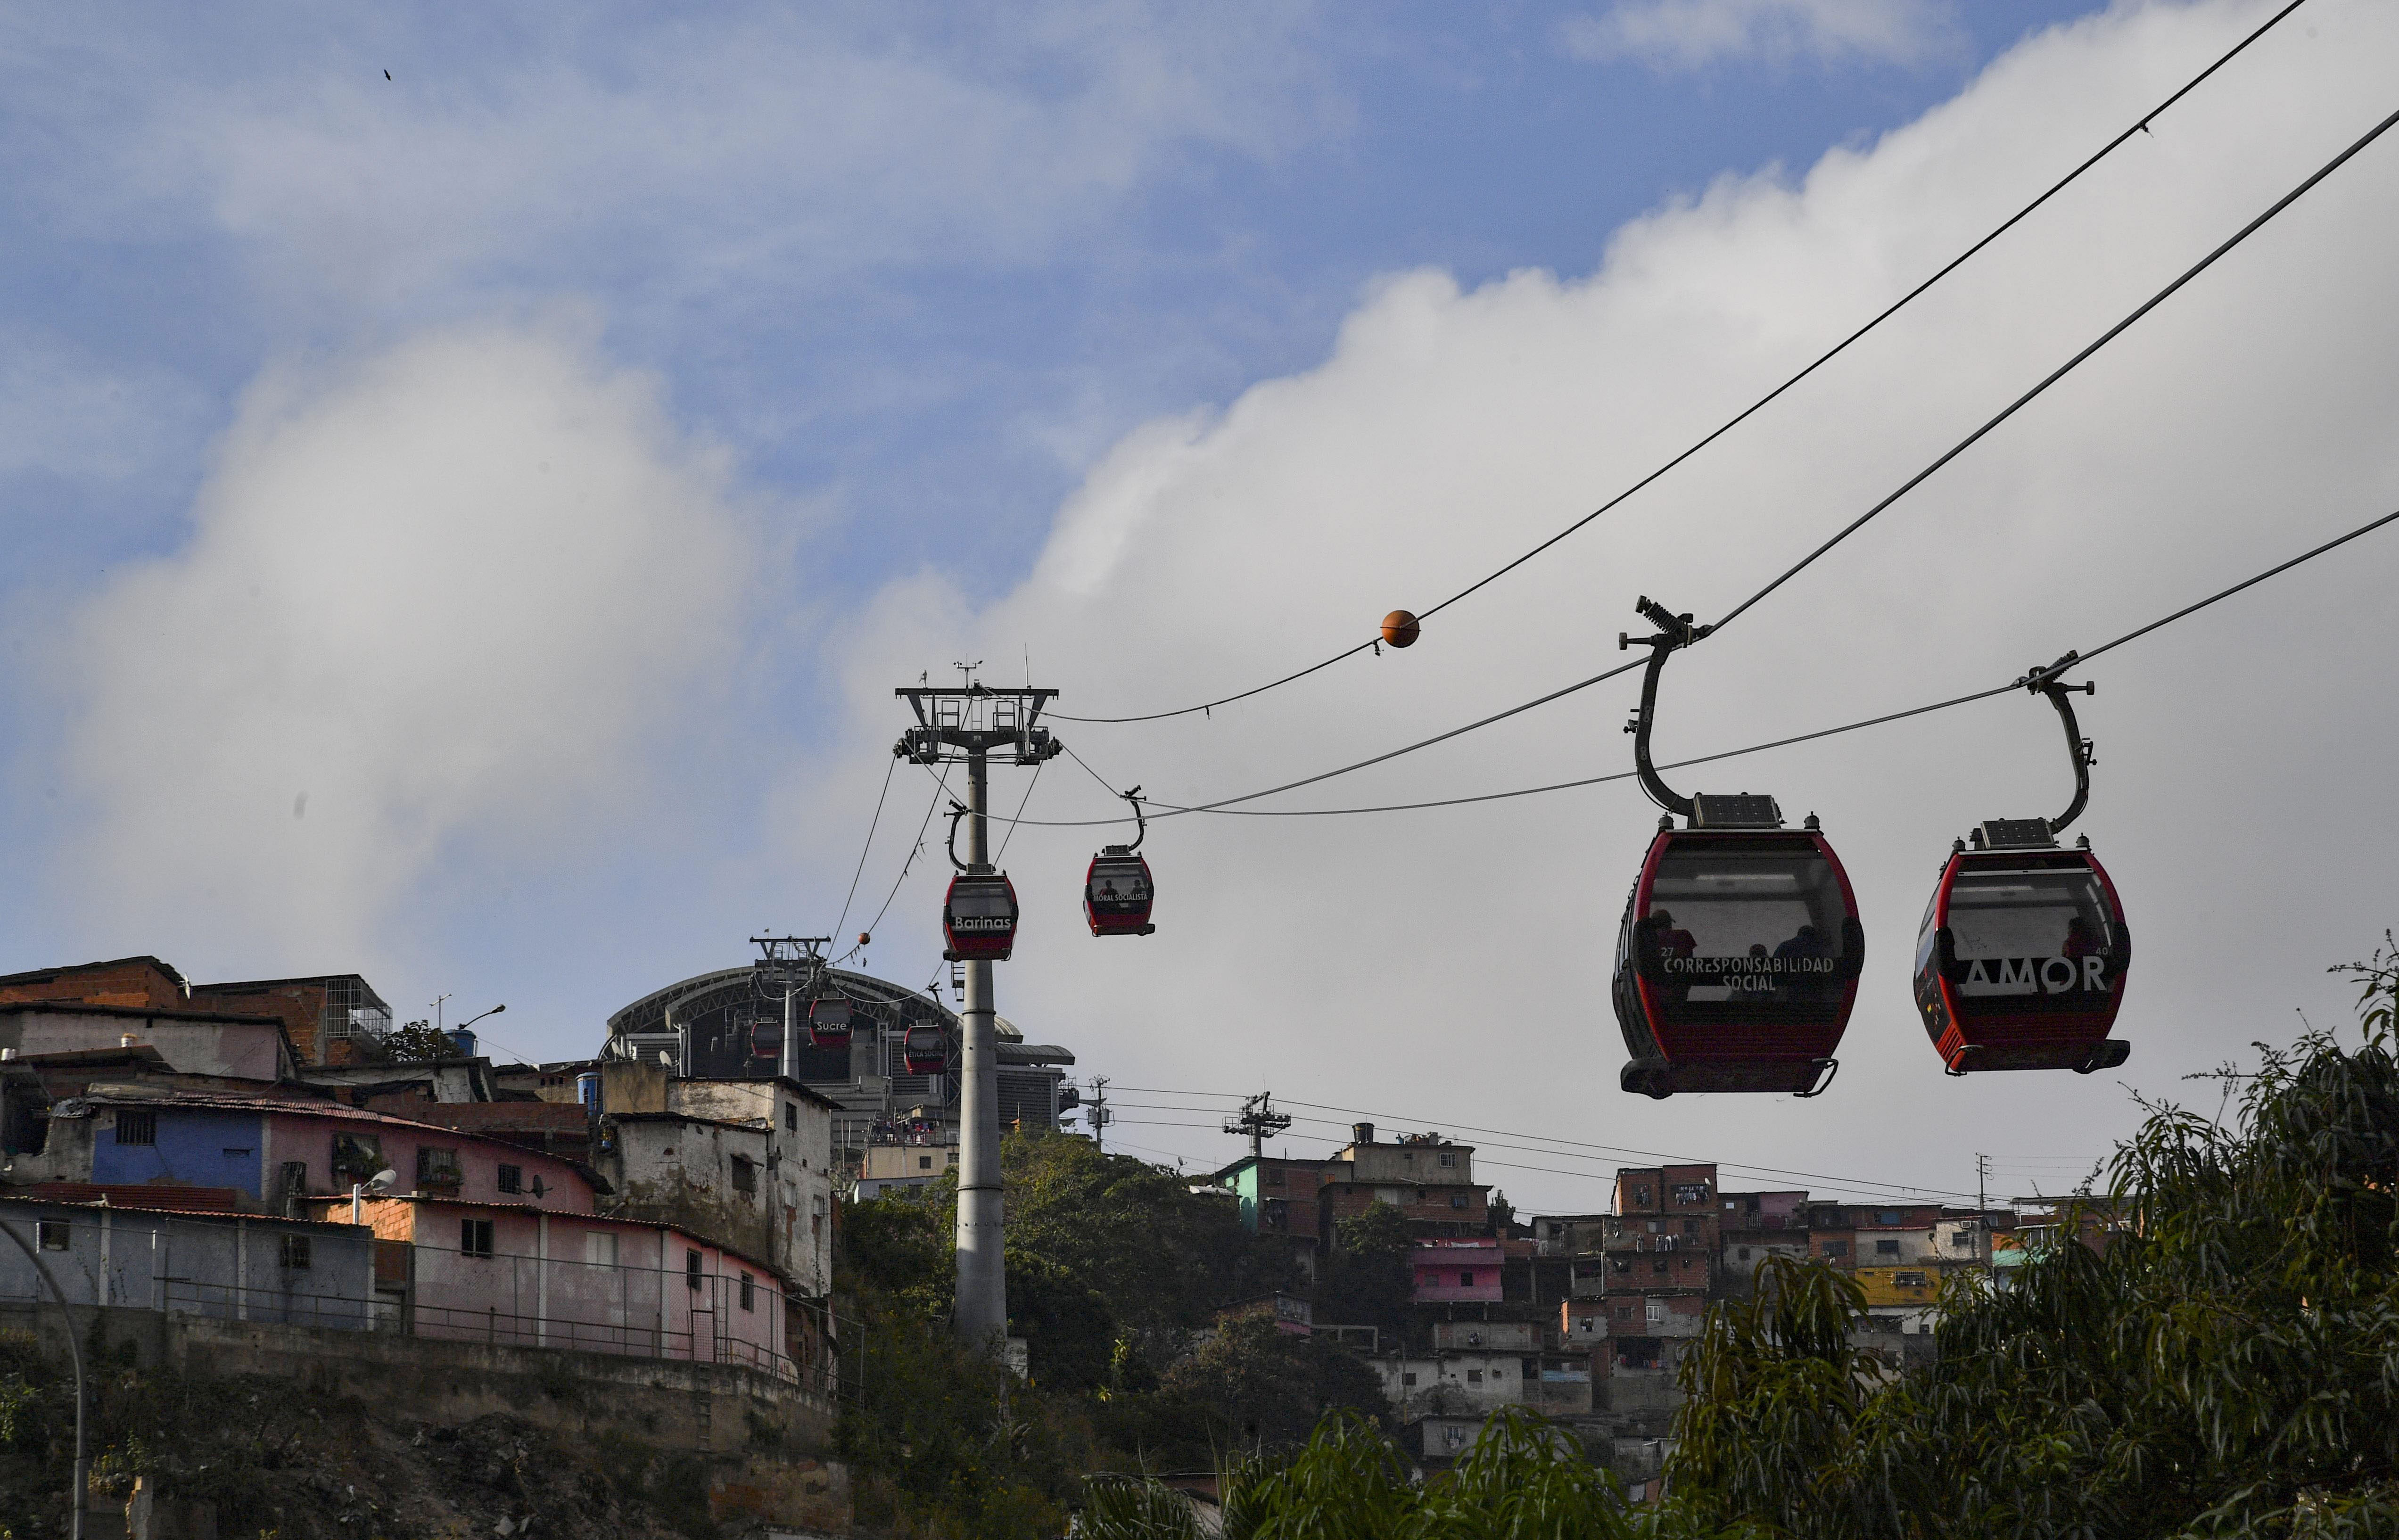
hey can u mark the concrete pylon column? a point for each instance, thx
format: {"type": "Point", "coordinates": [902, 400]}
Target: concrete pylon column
{"type": "Point", "coordinates": [982, 1274]}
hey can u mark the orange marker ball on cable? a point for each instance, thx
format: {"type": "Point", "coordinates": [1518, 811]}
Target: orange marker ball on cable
{"type": "Point", "coordinates": [1399, 628]}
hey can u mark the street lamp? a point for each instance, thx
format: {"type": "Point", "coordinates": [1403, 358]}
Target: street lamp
{"type": "Point", "coordinates": [381, 1182]}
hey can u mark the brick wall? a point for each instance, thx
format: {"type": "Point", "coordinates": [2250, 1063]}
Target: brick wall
{"type": "Point", "coordinates": [137, 982]}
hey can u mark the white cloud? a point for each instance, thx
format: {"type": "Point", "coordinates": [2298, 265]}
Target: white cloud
{"type": "Point", "coordinates": [1689, 34]}
{"type": "Point", "coordinates": [1451, 966]}
{"type": "Point", "coordinates": [770, 148]}
{"type": "Point", "coordinates": [437, 603]}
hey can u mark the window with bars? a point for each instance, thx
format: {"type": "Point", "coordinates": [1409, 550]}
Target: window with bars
{"type": "Point", "coordinates": [749, 1292]}
{"type": "Point", "coordinates": [437, 1169]}
{"type": "Point", "coordinates": [474, 1238]}
{"type": "Point", "coordinates": [137, 1126]}
{"type": "Point", "coordinates": [512, 1179]}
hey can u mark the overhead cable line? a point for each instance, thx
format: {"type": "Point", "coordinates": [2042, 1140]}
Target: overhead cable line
{"type": "Point", "coordinates": [1661, 1157]}
{"type": "Point", "coordinates": [872, 825]}
{"type": "Point", "coordinates": [1853, 527]}
{"type": "Point", "coordinates": [1226, 808]}
{"type": "Point", "coordinates": [941, 788]}
{"type": "Point", "coordinates": [1021, 802]}
{"type": "Point", "coordinates": [1499, 1165]}
{"type": "Point", "coordinates": [1955, 263]}
{"type": "Point", "coordinates": [1549, 1149]}
{"type": "Point", "coordinates": [2058, 373]}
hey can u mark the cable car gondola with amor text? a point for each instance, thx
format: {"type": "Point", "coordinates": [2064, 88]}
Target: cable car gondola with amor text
{"type": "Point", "coordinates": [2022, 958]}
{"type": "Point", "coordinates": [1737, 964]}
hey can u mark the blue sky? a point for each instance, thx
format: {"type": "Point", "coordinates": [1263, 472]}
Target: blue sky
{"type": "Point", "coordinates": [944, 369]}
{"type": "Point", "coordinates": [465, 526]}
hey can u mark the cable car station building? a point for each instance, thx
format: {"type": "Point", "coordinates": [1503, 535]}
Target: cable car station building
{"type": "Point", "coordinates": [727, 1025]}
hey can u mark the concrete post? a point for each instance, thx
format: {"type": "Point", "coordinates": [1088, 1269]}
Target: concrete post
{"type": "Point", "coordinates": [982, 1276]}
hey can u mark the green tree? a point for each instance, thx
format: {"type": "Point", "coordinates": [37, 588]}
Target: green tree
{"type": "Point", "coordinates": [417, 1043]}
{"type": "Point", "coordinates": [1263, 1388]}
{"type": "Point", "coordinates": [1367, 1281]}
{"type": "Point", "coordinates": [1106, 1255]}
{"type": "Point", "coordinates": [1522, 1479]}
{"type": "Point", "coordinates": [2224, 1367]}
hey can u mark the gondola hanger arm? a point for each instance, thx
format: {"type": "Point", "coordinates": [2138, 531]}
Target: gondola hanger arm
{"type": "Point", "coordinates": [2045, 682]}
{"type": "Point", "coordinates": [957, 811]}
{"type": "Point", "coordinates": [1140, 824]}
{"type": "Point", "coordinates": [1673, 631]}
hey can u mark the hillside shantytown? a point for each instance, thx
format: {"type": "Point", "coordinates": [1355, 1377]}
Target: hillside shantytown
{"type": "Point", "coordinates": [267, 1176]}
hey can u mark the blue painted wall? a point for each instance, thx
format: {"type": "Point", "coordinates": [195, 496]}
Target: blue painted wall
{"type": "Point", "coordinates": [200, 1147]}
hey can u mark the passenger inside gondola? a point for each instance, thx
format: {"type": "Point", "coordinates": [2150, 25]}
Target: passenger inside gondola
{"type": "Point", "coordinates": [1671, 943]}
{"type": "Point", "coordinates": [2082, 939]}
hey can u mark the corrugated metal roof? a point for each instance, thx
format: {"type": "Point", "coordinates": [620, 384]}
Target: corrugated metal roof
{"type": "Point", "coordinates": [109, 1198]}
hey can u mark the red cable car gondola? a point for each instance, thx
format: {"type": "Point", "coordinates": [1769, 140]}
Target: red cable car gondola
{"type": "Point", "coordinates": [767, 1038]}
{"type": "Point", "coordinates": [1737, 964]}
{"type": "Point", "coordinates": [1117, 888]}
{"type": "Point", "coordinates": [978, 916]}
{"type": "Point", "coordinates": [830, 1023]}
{"type": "Point", "coordinates": [925, 1049]}
{"type": "Point", "coordinates": [2022, 959]}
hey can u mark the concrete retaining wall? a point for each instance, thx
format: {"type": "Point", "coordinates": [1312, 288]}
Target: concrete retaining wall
{"type": "Point", "coordinates": [719, 1409]}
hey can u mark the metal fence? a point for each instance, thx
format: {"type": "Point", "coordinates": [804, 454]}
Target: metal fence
{"type": "Point", "coordinates": [815, 1366]}
{"type": "Point", "coordinates": [501, 1298]}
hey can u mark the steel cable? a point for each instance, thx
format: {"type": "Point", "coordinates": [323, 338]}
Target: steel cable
{"type": "Point", "coordinates": [1227, 808]}
{"type": "Point", "coordinates": [1747, 413]}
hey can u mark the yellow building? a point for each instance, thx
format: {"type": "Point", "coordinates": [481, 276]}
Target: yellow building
{"type": "Point", "coordinates": [1887, 1287]}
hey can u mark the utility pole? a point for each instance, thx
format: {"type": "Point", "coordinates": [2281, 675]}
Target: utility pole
{"type": "Point", "coordinates": [1097, 1114]}
{"type": "Point", "coordinates": [968, 724]}
{"type": "Point", "coordinates": [1983, 1206]}
{"type": "Point", "coordinates": [1258, 1119]}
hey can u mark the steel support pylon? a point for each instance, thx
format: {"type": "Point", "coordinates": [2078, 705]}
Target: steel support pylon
{"type": "Point", "coordinates": [982, 1272]}
{"type": "Point", "coordinates": [970, 723]}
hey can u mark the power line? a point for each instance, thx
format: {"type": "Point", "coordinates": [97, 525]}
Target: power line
{"type": "Point", "coordinates": [1581, 1143]}
{"type": "Point", "coordinates": [2063, 369]}
{"type": "Point", "coordinates": [1228, 809]}
{"type": "Point", "coordinates": [873, 824]}
{"type": "Point", "coordinates": [1851, 1182]}
{"type": "Point", "coordinates": [1747, 413]}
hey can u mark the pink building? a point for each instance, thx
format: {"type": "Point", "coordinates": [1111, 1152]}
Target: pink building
{"type": "Point", "coordinates": [478, 1270]}
{"type": "Point", "coordinates": [1461, 1269]}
